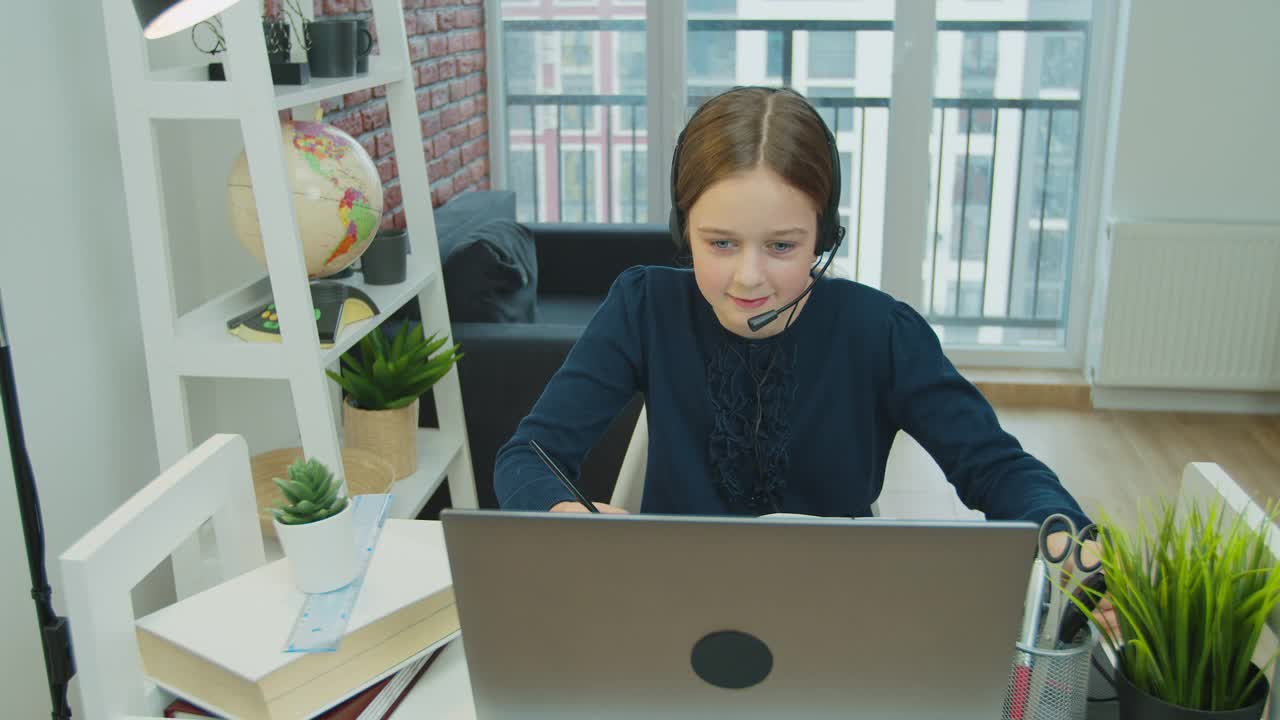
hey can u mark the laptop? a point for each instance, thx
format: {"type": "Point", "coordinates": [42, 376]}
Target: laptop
{"type": "Point", "coordinates": [644, 616]}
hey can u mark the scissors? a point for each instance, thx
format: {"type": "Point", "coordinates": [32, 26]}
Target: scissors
{"type": "Point", "coordinates": [1082, 573]}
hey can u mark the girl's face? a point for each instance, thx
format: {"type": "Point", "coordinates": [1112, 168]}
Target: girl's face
{"type": "Point", "coordinates": [752, 237]}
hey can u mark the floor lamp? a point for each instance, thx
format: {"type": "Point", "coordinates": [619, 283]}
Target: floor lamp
{"type": "Point", "coordinates": [55, 634]}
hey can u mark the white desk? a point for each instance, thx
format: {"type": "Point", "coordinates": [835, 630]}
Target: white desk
{"type": "Point", "coordinates": [443, 692]}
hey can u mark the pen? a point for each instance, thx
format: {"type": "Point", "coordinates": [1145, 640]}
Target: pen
{"type": "Point", "coordinates": [564, 480]}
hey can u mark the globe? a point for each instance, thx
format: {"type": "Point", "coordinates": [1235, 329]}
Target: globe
{"type": "Point", "coordinates": [337, 197]}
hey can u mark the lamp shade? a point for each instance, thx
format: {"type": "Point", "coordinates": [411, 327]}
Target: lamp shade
{"type": "Point", "coordinates": [166, 17]}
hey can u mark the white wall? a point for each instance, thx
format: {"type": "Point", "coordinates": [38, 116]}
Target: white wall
{"type": "Point", "coordinates": [1192, 133]}
{"type": "Point", "coordinates": [67, 280]}
{"type": "Point", "coordinates": [1197, 135]}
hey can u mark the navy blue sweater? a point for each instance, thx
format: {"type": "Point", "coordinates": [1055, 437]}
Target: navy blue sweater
{"type": "Point", "coordinates": [799, 422]}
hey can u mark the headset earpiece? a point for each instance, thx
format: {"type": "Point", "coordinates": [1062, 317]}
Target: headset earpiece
{"type": "Point", "coordinates": [677, 228]}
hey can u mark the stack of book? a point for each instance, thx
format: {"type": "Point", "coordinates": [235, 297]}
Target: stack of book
{"type": "Point", "coordinates": [377, 702]}
{"type": "Point", "coordinates": [222, 651]}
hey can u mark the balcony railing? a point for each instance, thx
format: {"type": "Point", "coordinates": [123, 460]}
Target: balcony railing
{"type": "Point", "coordinates": [1018, 292]}
{"type": "Point", "coordinates": [1029, 224]}
{"type": "Point", "coordinates": [523, 107]}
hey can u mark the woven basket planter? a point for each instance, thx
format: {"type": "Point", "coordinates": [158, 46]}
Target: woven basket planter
{"type": "Point", "coordinates": [391, 434]}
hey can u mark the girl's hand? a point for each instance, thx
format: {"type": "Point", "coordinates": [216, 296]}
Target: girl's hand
{"type": "Point", "coordinates": [1104, 612]}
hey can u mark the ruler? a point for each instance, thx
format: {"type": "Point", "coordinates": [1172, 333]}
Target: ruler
{"type": "Point", "coordinates": [323, 618]}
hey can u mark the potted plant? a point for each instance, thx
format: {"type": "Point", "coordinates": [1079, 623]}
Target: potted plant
{"type": "Point", "coordinates": [1192, 592]}
{"type": "Point", "coordinates": [315, 529]}
{"type": "Point", "coordinates": [281, 31]}
{"type": "Point", "coordinates": [383, 382]}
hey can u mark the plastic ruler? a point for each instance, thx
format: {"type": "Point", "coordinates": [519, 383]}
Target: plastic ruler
{"type": "Point", "coordinates": [323, 617]}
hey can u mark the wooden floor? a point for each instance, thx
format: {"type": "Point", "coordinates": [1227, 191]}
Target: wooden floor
{"type": "Point", "coordinates": [1108, 459]}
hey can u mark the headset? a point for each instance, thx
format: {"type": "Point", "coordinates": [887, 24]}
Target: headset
{"type": "Point", "coordinates": [830, 232]}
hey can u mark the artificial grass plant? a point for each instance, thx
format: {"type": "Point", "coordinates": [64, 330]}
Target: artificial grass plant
{"type": "Point", "coordinates": [1192, 592]}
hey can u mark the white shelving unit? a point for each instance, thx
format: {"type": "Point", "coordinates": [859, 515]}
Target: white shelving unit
{"type": "Point", "coordinates": [196, 343]}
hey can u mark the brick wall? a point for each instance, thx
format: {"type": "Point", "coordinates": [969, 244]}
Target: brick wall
{"type": "Point", "coordinates": [446, 44]}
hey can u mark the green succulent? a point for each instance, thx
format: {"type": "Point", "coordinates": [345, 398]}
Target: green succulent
{"type": "Point", "coordinates": [386, 375]}
{"type": "Point", "coordinates": [312, 492]}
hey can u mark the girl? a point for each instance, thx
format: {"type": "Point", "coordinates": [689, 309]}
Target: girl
{"type": "Point", "coordinates": [768, 387]}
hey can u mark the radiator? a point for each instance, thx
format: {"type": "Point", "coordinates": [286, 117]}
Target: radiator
{"type": "Point", "coordinates": [1192, 306]}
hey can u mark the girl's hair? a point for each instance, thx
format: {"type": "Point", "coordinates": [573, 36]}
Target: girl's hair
{"type": "Point", "coordinates": [746, 128]}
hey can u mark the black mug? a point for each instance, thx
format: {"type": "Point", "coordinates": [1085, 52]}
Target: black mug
{"type": "Point", "coordinates": [364, 39]}
{"type": "Point", "coordinates": [331, 50]}
{"type": "Point", "coordinates": [384, 261]}
{"type": "Point", "coordinates": [279, 47]}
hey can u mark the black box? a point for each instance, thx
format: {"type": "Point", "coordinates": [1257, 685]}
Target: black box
{"type": "Point", "coordinates": [281, 73]}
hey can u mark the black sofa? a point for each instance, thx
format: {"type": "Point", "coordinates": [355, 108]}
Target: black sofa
{"type": "Point", "coordinates": [516, 314]}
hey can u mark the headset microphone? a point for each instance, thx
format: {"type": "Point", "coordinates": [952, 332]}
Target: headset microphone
{"type": "Point", "coordinates": [764, 318]}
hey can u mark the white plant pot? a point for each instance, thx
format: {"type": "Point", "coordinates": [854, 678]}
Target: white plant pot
{"type": "Point", "coordinates": [322, 555]}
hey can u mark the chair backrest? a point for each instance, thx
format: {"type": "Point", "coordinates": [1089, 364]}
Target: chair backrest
{"type": "Point", "coordinates": [101, 569]}
{"type": "Point", "coordinates": [1207, 482]}
{"type": "Point", "coordinates": [629, 490]}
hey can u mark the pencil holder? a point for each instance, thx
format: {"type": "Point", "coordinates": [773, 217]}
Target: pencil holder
{"type": "Point", "coordinates": [1049, 684]}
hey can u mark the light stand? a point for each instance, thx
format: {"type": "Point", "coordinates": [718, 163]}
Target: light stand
{"type": "Point", "coordinates": [55, 633]}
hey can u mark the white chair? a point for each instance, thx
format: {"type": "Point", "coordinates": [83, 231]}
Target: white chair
{"type": "Point", "coordinates": [1207, 482]}
{"type": "Point", "coordinates": [102, 568]}
{"type": "Point", "coordinates": [629, 489]}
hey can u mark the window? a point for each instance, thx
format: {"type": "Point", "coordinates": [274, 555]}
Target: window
{"type": "Point", "coordinates": [1019, 56]}
{"type": "Point", "coordinates": [971, 201]}
{"type": "Point", "coordinates": [1057, 198]}
{"type": "Point", "coordinates": [577, 52]}
{"type": "Point", "coordinates": [630, 48]}
{"type": "Point", "coordinates": [970, 299]}
{"type": "Point", "coordinates": [977, 187]}
{"type": "Point", "coordinates": [847, 217]}
{"type": "Point", "coordinates": [978, 63]}
{"type": "Point", "coordinates": [713, 56]}
{"type": "Point", "coordinates": [631, 180]}
{"type": "Point", "coordinates": [521, 173]}
{"type": "Point", "coordinates": [1048, 302]}
{"type": "Point", "coordinates": [577, 77]}
{"type": "Point", "coordinates": [701, 8]}
{"type": "Point", "coordinates": [838, 120]}
{"type": "Point", "coordinates": [979, 59]}
{"type": "Point", "coordinates": [846, 179]}
{"type": "Point", "coordinates": [974, 239]}
{"type": "Point", "coordinates": [831, 55]}
{"type": "Point", "coordinates": [1050, 256]}
{"type": "Point", "coordinates": [1032, 57]}
{"type": "Point", "coordinates": [631, 62]}
{"type": "Point", "coordinates": [774, 49]}
{"type": "Point", "coordinates": [1062, 62]}
{"type": "Point", "coordinates": [578, 182]}
{"type": "Point", "coordinates": [560, 174]}
{"type": "Point", "coordinates": [521, 61]}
